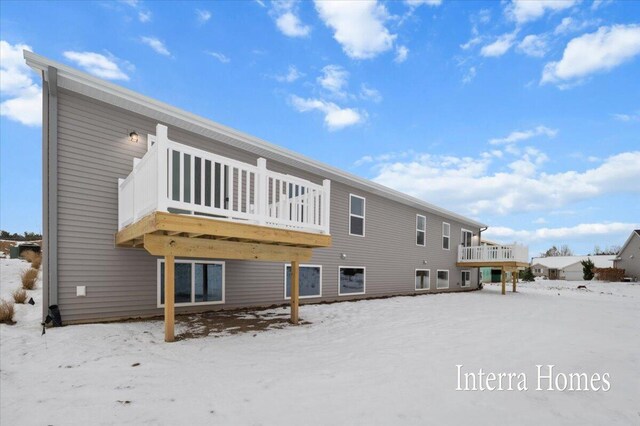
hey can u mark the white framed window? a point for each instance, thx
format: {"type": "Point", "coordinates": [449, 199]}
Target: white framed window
{"type": "Point", "coordinates": [466, 237]}
{"type": "Point", "coordinates": [197, 282]}
{"type": "Point", "coordinates": [423, 279]}
{"type": "Point", "coordinates": [465, 279]}
{"type": "Point", "coordinates": [351, 280]}
{"type": "Point", "coordinates": [446, 236]}
{"type": "Point", "coordinates": [309, 279]}
{"type": "Point", "coordinates": [442, 279]}
{"type": "Point", "coordinates": [356, 215]}
{"type": "Point", "coordinates": [421, 230]}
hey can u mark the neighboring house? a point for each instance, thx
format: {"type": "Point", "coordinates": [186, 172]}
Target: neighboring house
{"type": "Point", "coordinates": [137, 192]}
{"type": "Point", "coordinates": [629, 256]}
{"type": "Point", "coordinates": [567, 267]}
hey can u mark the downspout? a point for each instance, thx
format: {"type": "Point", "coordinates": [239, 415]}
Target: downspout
{"type": "Point", "coordinates": [484, 228]}
{"type": "Point", "coordinates": [52, 188]}
{"type": "Point", "coordinates": [45, 195]}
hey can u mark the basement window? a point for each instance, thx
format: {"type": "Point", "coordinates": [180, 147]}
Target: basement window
{"type": "Point", "coordinates": [423, 279]}
{"type": "Point", "coordinates": [310, 281]}
{"type": "Point", "coordinates": [351, 280]}
{"type": "Point", "coordinates": [443, 279]}
{"type": "Point", "coordinates": [197, 282]}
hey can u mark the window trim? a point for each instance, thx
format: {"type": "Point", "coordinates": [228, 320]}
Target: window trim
{"type": "Point", "coordinates": [193, 281]}
{"type": "Point", "coordinates": [364, 287]}
{"type": "Point", "coordinates": [428, 282]}
{"type": "Point", "coordinates": [364, 213]}
{"type": "Point", "coordinates": [447, 236]}
{"type": "Point", "coordinates": [468, 271]}
{"type": "Point", "coordinates": [284, 283]}
{"type": "Point", "coordinates": [448, 279]}
{"type": "Point", "coordinates": [462, 231]}
{"type": "Point", "coordinates": [419, 230]}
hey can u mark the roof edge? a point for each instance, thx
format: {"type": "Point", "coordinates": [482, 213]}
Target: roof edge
{"type": "Point", "coordinates": [41, 63]}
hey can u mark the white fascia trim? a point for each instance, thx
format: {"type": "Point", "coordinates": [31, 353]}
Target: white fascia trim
{"type": "Point", "coordinates": [108, 92]}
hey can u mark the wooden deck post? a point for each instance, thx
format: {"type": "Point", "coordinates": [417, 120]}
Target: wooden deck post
{"type": "Point", "coordinates": [295, 290]}
{"type": "Point", "coordinates": [515, 279]}
{"type": "Point", "coordinates": [504, 281]}
{"type": "Point", "coordinates": [169, 296]}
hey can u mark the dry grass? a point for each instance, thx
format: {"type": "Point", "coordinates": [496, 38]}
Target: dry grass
{"type": "Point", "coordinates": [6, 312]}
{"type": "Point", "coordinates": [20, 295]}
{"type": "Point", "coordinates": [34, 258]}
{"type": "Point", "coordinates": [28, 278]}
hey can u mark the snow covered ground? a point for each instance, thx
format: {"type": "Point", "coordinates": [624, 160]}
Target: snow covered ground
{"type": "Point", "coordinates": [379, 362]}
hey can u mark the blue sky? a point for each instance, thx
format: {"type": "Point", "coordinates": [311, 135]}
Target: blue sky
{"type": "Point", "coordinates": [524, 115]}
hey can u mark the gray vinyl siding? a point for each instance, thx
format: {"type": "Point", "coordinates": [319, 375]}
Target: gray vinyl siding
{"type": "Point", "coordinates": [94, 151]}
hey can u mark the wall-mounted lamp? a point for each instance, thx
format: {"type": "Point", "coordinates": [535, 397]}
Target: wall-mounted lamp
{"type": "Point", "coordinates": [133, 137]}
{"type": "Point", "coordinates": [424, 262]}
{"type": "Point", "coordinates": [343, 256]}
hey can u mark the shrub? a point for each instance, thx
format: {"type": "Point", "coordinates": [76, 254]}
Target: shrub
{"type": "Point", "coordinates": [37, 261]}
{"type": "Point", "coordinates": [20, 295]}
{"type": "Point", "coordinates": [527, 275]}
{"type": "Point", "coordinates": [587, 269]}
{"type": "Point", "coordinates": [28, 278]}
{"type": "Point", "coordinates": [6, 312]}
{"type": "Point", "coordinates": [609, 274]}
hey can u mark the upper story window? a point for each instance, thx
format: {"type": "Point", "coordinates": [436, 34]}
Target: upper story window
{"type": "Point", "coordinates": [356, 215]}
{"type": "Point", "coordinates": [446, 236]}
{"type": "Point", "coordinates": [466, 238]}
{"type": "Point", "coordinates": [421, 230]}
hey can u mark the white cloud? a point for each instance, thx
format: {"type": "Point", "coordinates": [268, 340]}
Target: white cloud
{"type": "Point", "coordinates": [292, 75]}
{"type": "Point", "coordinates": [335, 117]}
{"type": "Point", "coordinates": [540, 221]}
{"type": "Point", "coordinates": [97, 64]}
{"type": "Point", "coordinates": [627, 117]}
{"type": "Point", "coordinates": [219, 56]}
{"type": "Point", "coordinates": [261, 3]}
{"type": "Point", "coordinates": [370, 94]}
{"type": "Point", "coordinates": [521, 135]}
{"type": "Point", "coordinates": [156, 45]}
{"type": "Point", "coordinates": [402, 52]}
{"type": "Point", "coordinates": [600, 51]}
{"type": "Point", "coordinates": [21, 97]}
{"type": "Point", "coordinates": [144, 16]}
{"type": "Point", "coordinates": [286, 15]}
{"type": "Point", "coordinates": [472, 42]}
{"type": "Point", "coordinates": [533, 45]}
{"type": "Point", "coordinates": [522, 11]}
{"type": "Point", "coordinates": [569, 25]}
{"type": "Point", "coordinates": [416, 3]}
{"type": "Point", "coordinates": [359, 26]}
{"type": "Point", "coordinates": [334, 79]}
{"type": "Point", "coordinates": [599, 3]}
{"type": "Point", "coordinates": [562, 233]}
{"type": "Point", "coordinates": [469, 76]}
{"type": "Point", "coordinates": [500, 46]}
{"type": "Point", "coordinates": [477, 185]}
{"type": "Point", "coordinates": [203, 15]}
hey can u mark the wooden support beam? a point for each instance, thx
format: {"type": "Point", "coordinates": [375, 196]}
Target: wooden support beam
{"type": "Point", "coordinates": [144, 226]}
{"type": "Point", "coordinates": [217, 249]}
{"type": "Point", "coordinates": [169, 296]}
{"type": "Point", "coordinates": [194, 235]}
{"type": "Point", "coordinates": [504, 281]}
{"type": "Point", "coordinates": [172, 233]}
{"type": "Point", "coordinates": [295, 291]}
{"type": "Point", "coordinates": [224, 228]}
{"type": "Point", "coordinates": [514, 274]}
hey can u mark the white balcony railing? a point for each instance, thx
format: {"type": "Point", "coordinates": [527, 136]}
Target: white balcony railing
{"type": "Point", "coordinates": [177, 178]}
{"type": "Point", "coordinates": [508, 253]}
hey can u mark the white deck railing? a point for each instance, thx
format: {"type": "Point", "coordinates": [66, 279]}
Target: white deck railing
{"type": "Point", "coordinates": [177, 178]}
{"type": "Point", "coordinates": [508, 253]}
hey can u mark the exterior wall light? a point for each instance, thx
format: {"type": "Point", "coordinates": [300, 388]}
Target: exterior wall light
{"type": "Point", "coordinates": [343, 256]}
{"type": "Point", "coordinates": [133, 137]}
{"type": "Point", "coordinates": [424, 262]}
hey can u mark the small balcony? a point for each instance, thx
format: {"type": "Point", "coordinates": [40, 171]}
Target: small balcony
{"type": "Point", "coordinates": [179, 179]}
{"type": "Point", "coordinates": [514, 255]}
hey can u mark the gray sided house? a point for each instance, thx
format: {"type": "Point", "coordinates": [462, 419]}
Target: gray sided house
{"type": "Point", "coordinates": [629, 256]}
{"type": "Point", "coordinates": [120, 169]}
